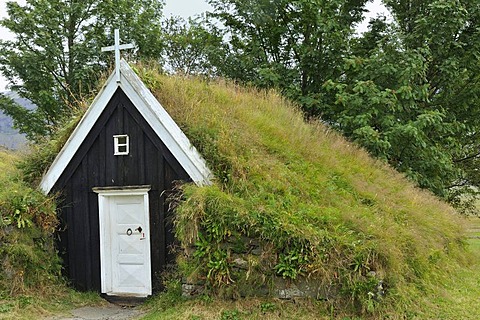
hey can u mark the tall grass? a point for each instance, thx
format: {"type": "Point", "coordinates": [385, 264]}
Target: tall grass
{"type": "Point", "coordinates": [31, 286]}
{"type": "Point", "coordinates": [328, 210]}
{"type": "Point", "coordinates": [29, 266]}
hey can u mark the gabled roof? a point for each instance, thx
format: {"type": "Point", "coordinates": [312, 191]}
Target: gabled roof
{"type": "Point", "coordinates": [151, 110]}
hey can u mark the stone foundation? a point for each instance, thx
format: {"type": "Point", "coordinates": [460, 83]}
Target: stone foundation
{"type": "Point", "coordinates": [252, 269]}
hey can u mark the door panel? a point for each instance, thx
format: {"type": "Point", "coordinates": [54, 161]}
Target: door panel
{"type": "Point", "coordinates": [129, 248]}
{"type": "Point", "coordinates": [124, 242]}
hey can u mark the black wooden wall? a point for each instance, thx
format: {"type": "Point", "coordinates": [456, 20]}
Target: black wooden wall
{"type": "Point", "coordinates": [94, 165]}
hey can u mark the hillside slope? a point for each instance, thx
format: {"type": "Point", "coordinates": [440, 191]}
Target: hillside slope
{"type": "Point", "coordinates": [321, 207]}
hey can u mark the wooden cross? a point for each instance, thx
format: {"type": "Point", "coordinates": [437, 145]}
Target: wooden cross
{"type": "Point", "coordinates": [117, 47]}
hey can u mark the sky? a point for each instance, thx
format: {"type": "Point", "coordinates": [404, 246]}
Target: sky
{"type": "Point", "coordinates": [183, 8]}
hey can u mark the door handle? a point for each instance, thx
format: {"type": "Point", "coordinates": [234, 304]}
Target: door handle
{"type": "Point", "coordinates": [139, 229]}
{"type": "Point", "coordinates": [129, 232]}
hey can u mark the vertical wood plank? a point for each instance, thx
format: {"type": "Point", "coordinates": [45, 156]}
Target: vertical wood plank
{"type": "Point", "coordinates": [86, 227]}
{"type": "Point", "coordinates": [77, 226]}
{"type": "Point", "coordinates": [110, 160]}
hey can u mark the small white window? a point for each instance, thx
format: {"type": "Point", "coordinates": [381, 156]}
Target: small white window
{"type": "Point", "coordinates": [120, 145]}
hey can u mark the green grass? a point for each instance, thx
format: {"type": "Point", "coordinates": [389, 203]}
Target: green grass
{"type": "Point", "coordinates": [30, 286]}
{"type": "Point", "coordinates": [474, 234]}
{"type": "Point", "coordinates": [454, 297]}
{"type": "Point", "coordinates": [55, 301]}
{"type": "Point", "coordinates": [7, 165]}
{"type": "Point", "coordinates": [322, 205]}
{"type": "Point", "coordinates": [249, 308]}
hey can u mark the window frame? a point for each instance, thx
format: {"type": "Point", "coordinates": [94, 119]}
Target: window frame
{"type": "Point", "coordinates": [117, 145]}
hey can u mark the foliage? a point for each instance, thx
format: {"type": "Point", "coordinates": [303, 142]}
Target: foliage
{"type": "Point", "coordinates": [56, 59]}
{"type": "Point", "coordinates": [290, 45]}
{"type": "Point", "coordinates": [410, 94]}
{"type": "Point", "coordinates": [27, 223]}
{"type": "Point", "coordinates": [387, 120]}
{"type": "Point", "coordinates": [319, 206]}
{"type": "Point", "coordinates": [191, 46]}
{"type": "Point", "coordinates": [9, 106]}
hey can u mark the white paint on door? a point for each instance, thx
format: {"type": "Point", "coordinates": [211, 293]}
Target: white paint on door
{"type": "Point", "coordinates": [125, 242]}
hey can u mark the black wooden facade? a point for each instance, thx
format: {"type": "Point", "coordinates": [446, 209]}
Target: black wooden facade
{"type": "Point", "coordinates": [94, 165]}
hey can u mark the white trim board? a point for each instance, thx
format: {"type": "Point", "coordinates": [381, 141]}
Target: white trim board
{"type": "Point", "coordinates": [151, 110]}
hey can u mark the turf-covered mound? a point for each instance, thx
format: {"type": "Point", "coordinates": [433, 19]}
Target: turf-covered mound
{"type": "Point", "coordinates": [321, 207]}
{"type": "Point", "coordinates": [28, 259]}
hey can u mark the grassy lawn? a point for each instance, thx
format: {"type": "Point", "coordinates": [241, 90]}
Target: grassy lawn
{"type": "Point", "coordinates": [251, 308]}
{"type": "Point", "coordinates": [458, 296]}
{"type": "Point", "coordinates": [53, 301]}
{"type": "Point", "coordinates": [474, 234]}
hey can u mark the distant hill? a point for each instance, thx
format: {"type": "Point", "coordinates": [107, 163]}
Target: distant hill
{"type": "Point", "coordinates": [10, 137]}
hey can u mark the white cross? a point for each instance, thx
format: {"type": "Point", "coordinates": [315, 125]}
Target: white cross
{"type": "Point", "coordinates": [117, 47]}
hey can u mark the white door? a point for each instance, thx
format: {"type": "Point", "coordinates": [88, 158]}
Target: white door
{"type": "Point", "coordinates": [124, 242]}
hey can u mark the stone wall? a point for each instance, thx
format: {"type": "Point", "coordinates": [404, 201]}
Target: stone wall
{"type": "Point", "coordinates": [252, 267]}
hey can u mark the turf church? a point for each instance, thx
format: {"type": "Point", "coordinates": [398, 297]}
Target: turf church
{"type": "Point", "coordinates": [114, 174]}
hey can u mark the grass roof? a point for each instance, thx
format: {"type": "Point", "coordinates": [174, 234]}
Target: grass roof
{"type": "Point", "coordinates": [324, 206]}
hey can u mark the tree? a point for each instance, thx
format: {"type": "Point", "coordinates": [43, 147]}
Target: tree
{"type": "Point", "coordinates": [410, 93]}
{"type": "Point", "coordinates": [192, 47]}
{"type": "Point", "coordinates": [56, 57]}
{"type": "Point", "coordinates": [407, 90]}
{"type": "Point", "coordinates": [293, 45]}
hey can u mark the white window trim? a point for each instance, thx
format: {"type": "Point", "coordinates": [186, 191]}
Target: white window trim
{"type": "Point", "coordinates": [117, 145]}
